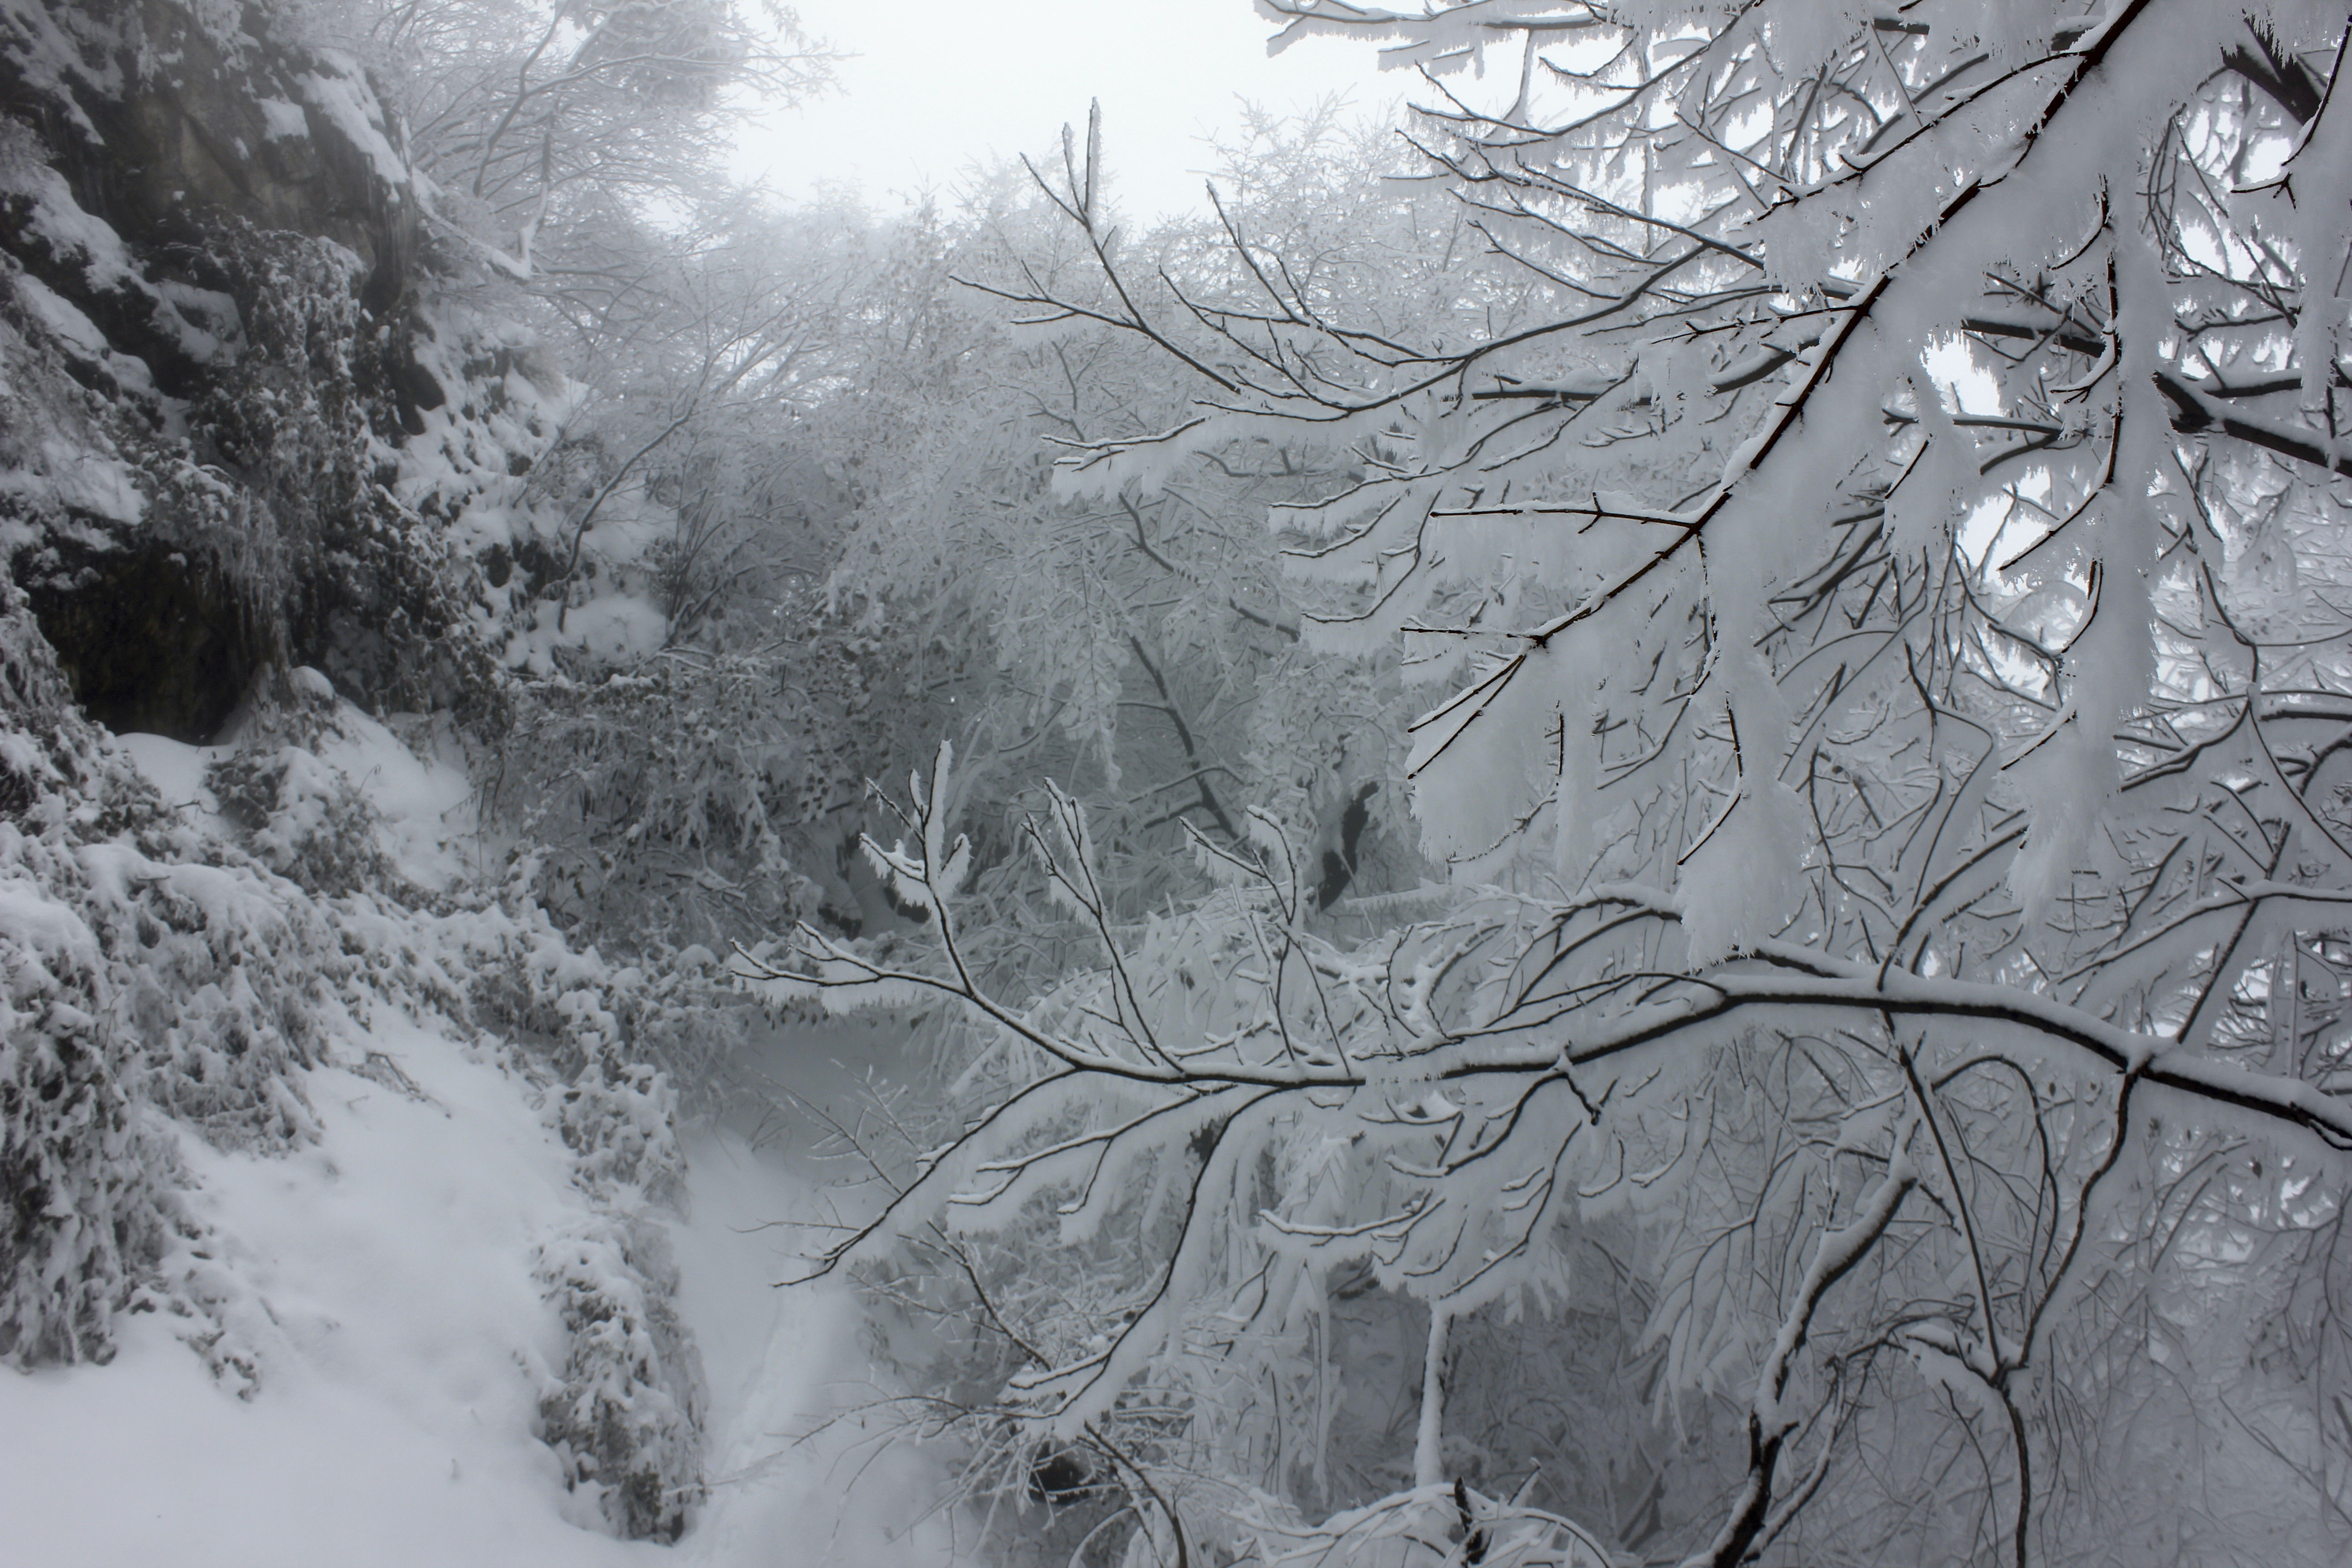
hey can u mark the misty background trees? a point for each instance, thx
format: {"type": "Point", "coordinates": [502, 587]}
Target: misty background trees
{"type": "Point", "coordinates": [1608, 823]}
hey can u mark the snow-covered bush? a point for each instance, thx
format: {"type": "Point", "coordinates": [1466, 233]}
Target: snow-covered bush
{"type": "Point", "coordinates": [309, 821]}
{"type": "Point", "coordinates": [625, 1410]}
{"type": "Point", "coordinates": [133, 981]}
{"type": "Point", "coordinates": [626, 1416]}
{"type": "Point", "coordinates": [372, 592]}
{"type": "Point", "coordinates": [302, 816]}
{"type": "Point", "coordinates": [86, 1208]}
{"type": "Point", "coordinates": [619, 1117]}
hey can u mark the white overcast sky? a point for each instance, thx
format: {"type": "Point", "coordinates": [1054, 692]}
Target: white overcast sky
{"type": "Point", "coordinates": [939, 86]}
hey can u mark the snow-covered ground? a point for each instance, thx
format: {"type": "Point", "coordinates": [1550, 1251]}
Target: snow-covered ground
{"type": "Point", "coordinates": [425, 808]}
{"type": "Point", "coordinates": [381, 1285]}
{"type": "Point", "coordinates": [778, 1361]}
{"type": "Point", "coordinates": [385, 1278]}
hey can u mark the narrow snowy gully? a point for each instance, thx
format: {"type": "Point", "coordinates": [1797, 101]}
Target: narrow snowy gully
{"type": "Point", "coordinates": [782, 1360]}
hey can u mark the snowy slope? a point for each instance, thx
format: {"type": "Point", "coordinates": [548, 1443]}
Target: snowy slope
{"type": "Point", "coordinates": [387, 1328]}
{"type": "Point", "coordinates": [390, 1281]}
{"type": "Point", "coordinates": [385, 1279]}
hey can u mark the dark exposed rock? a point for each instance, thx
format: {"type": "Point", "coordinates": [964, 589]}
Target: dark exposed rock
{"type": "Point", "coordinates": [168, 126]}
{"type": "Point", "coordinates": [152, 638]}
{"type": "Point", "coordinates": [225, 209]}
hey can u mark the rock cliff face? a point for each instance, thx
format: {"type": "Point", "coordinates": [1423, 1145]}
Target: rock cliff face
{"type": "Point", "coordinates": [210, 253]}
{"type": "Point", "coordinates": [164, 120]}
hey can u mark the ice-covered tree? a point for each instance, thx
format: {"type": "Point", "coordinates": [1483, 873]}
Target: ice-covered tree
{"type": "Point", "coordinates": [691, 729]}
{"type": "Point", "coordinates": [1893, 783]}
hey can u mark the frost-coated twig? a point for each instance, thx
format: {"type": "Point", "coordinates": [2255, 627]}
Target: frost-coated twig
{"type": "Point", "coordinates": [1769, 1425]}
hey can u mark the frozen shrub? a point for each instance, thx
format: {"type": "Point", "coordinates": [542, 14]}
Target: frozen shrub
{"type": "Point", "coordinates": [85, 1212]}
{"type": "Point", "coordinates": [619, 1120]}
{"type": "Point", "coordinates": [306, 817]}
{"type": "Point", "coordinates": [627, 1417]}
{"type": "Point", "coordinates": [369, 591]}
{"type": "Point", "coordinates": [696, 801]}
{"type": "Point", "coordinates": [88, 1186]}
